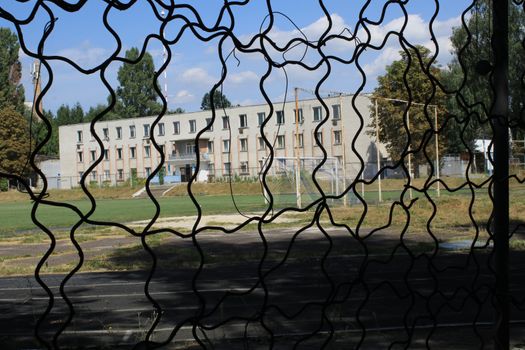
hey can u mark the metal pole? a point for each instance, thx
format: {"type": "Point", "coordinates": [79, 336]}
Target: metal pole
{"type": "Point", "coordinates": [437, 150]}
{"type": "Point", "coordinates": [499, 122]}
{"type": "Point", "coordinates": [345, 197]}
{"type": "Point", "coordinates": [409, 157]}
{"type": "Point", "coordinates": [378, 155]}
{"type": "Point", "coordinates": [297, 155]}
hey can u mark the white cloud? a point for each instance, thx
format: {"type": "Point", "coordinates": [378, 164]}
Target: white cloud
{"type": "Point", "coordinates": [417, 32]}
{"type": "Point", "coordinates": [184, 96]}
{"type": "Point", "coordinates": [387, 56]}
{"type": "Point", "coordinates": [197, 75]}
{"type": "Point", "coordinates": [242, 77]}
{"type": "Point", "coordinates": [85, 55]}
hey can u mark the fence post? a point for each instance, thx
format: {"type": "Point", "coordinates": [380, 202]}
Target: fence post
{"type": "Point", "coordinates": [499, 121]}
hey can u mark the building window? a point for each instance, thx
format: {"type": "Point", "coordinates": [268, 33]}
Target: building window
{"type": "Point", "coordinates": [318, 114]}
{"type": "Point", "coordinates": [193, 126]}
{"type": "Point", "coordinates": [120, 174]}
{"type": "Point", "coordinates": [262, 144]}
{"type": "Point", "coordinates": [210, 146]}
{"type": "Point", "coordinates": [79, 136]}
{"type": "Point", "coordinates": [147, 151]}
{"type": "Point", "coordinates": [227, 168]}
{"type": "Point", "coordinates": [148, 171]}
{"type": "Point", "coordinates": [209, 124]}
{"type": "Point", "coordinates": [298, 114]}
{"type": "Point", "coordinates": [106, 175]}
{"type": "Point", "coordinates": [94, 175]}
{"type": "Point", "coordinates": [280, 117]}
{"type": "Point", "coordinates": [320, 138]}
{"type": "Point", "coordinates": [225, 122]}
{"type": "Point", "coordinates": [80, 174]}
{"type": "Point", "coordinates": [261, 164]}
{"type": "Point", "coordinates": [299, 139]}
{"type": "Point", "coordinates": [132, 131]}
{"type": "Point", "coordinates": [211, 168]}
{"type": "Point", "coordinates": [261, 116]}
{"type": "Point", "coordinates": [105, 131]}
{"type": "Point", "coordinates": [119, 132]}
{"type": "Point", "coordinates": [163, 149]}
{"type": "Point", "coordinates": [336, 111]}
{"type": "Point", "coordinates": [176, 128]}
{"type": "Point", "coordinates": [161, 129]}
{"type": "Point", "coordinates": [226, 145]}
{"type": "Point", "coordinates": [93, 155]}
{"type": "Point", "coordinates": [280, 141]}
{"type": "Point", "coordinates": [244, 145]}
{"type": "Point", "coordinates": [337, 137]}
{"type": "Point", "coordinates": [190, 148]}
{"type": "Point", "coordinates": [106, 154]}
{"type": "Point", "coordinates": [80, 157]}
{"type": "Point", "coordinates": [244, 168]}
{"type": "Point", "coordinates": [146, 130]}
{"type": "Point", "coordinates": [132, 151]}
{"type": "Point", "coordinates": [243, 120]}
{"type": "Point", "coordinates": [119, 153]}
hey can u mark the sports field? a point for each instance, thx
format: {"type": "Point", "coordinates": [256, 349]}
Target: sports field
{"type": "Point", "coordinates": [117, 205]}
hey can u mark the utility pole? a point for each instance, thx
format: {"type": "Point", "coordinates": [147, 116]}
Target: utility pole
{"type": "Point", "coordinates": [499, 120]}
{"type": "Point", "coordinates": [297, 153]}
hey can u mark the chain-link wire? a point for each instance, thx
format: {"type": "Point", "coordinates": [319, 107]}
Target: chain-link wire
{"type": "Point", "coordinates": [365, 287]}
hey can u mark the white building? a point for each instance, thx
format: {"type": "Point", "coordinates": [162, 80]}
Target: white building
{"type": "Point", "coordinates": [233, 144]}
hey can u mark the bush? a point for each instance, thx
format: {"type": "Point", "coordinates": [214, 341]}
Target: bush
{"type": "Point", "coordinates": [4, 184]}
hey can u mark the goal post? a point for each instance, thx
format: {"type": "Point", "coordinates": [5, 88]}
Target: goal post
{"type": "Point", "coordinates": [291, 180]}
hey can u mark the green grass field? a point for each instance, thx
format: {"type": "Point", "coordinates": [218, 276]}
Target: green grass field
{"type": "Point", "coordinates": [116, 205]}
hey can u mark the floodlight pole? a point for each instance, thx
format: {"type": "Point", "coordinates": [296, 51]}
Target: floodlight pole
{"type": "Point", "coordinates": [409, 156]}
{"type": "Point", "coordinates": [438, 190]}
{"type": "Point", "coordinates": [378, 154]}
{"type": "Point", "coordinates": [345, 197]}
{"type": "Point", "coordinates": [297, 153]}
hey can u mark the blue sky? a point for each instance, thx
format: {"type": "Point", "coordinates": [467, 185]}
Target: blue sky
{"type": "Point", "coordinates": [194, 66]}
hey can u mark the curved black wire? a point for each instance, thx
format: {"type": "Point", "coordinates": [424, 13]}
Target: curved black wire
{"type": "Point", "coordinates": [437, 301]}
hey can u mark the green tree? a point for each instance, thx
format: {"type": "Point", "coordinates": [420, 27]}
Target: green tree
{"type": "Point", "coordinates": [177, 110]}
{"type": "Point", "coordinates": [219, 100]}
{"type": "Point", "coordinates": [475, 97]}
{"type": "Point", "coordinates": [136, 95]}
{"type": "Point", "coordinates": [14, 142]}
{"type": "Point", "coordinates": [70, 115]}
{"type": "Point", "coordinates": [39, 132]}
{"type": "Point", "coordinates": [392, 115]}
{"type": "Point", "coordinates": [11, 91]}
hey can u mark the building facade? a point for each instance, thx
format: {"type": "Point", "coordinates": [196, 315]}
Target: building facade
{"type": "Point", "coordinates": [232, 145]}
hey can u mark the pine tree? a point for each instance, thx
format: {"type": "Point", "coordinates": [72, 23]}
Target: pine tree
{"type": "Point", "coordinates": [136, 95]}
{"type": "Point", "coordinates": [11, 91]}
{"type": "Point", "coordinates": [220, 101]}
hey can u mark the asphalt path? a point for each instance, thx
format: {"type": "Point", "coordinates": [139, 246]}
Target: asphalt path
{"type": "Point", "coordinates": [308, 293]}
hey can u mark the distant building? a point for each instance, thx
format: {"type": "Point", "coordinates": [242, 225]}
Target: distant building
{"type": "Point", "coordinates": [233, 145]}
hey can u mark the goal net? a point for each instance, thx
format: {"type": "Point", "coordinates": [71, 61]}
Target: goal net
{"type": "Point", "coordinates": [291, 185]}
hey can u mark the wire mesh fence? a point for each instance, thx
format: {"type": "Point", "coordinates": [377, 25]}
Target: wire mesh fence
{"type": "Point", "coordinates": [437, 263]}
